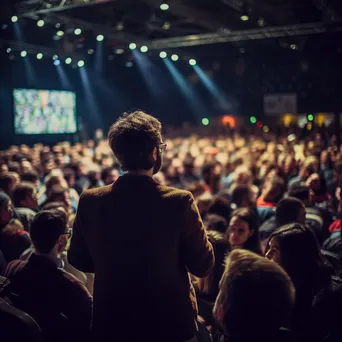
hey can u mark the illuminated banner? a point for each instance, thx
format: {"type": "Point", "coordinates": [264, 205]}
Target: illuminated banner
{"type": "Point", "coordinates": [275, 104]}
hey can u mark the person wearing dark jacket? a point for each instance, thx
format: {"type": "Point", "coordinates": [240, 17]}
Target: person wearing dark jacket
{"type": "Point", "coordinates": [14, 240]}
{"type": "Point", "coordinates": [140, 239]}
{"type": "Point", "coordinates": [58, 301]}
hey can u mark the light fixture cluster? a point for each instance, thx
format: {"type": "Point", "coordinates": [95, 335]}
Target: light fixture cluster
{"type": "Point", "coordinates": [162, 54]}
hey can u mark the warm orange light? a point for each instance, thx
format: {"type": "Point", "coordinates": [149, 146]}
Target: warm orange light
{"type": "Point", "coordinates": [228, 120]}
{"type": "Point", "coordinates": [289, 119]}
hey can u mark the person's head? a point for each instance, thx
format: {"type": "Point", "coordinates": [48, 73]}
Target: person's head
{"type": "Point", "coordinates": [273, 190]}
{"type": "Point", "coordinates": [25, 195]}
{"type": "Point", "coordinates": [220, 206]}
{"type": "Point", "coordinates": [211, 176]}
{"type": "Point", "coordinates": [59, 193]}
{"type": "Point", "coordinates": [317, 184]}
{"type": "Point", "coordinates": [243, 196]}
{"type": "Point", "coordinates": [69, 175]}
{"type": "Point", "coordinates": [30, 176]}
{"type": "Point", "coordinates": [209, 285]}
{"type": "Point", "coordinates": [6, 211]}
{"type": "Point", "coordinates": [55, 180]}
{"type": "Point", "coordinates": [338, 172]}
{"type": "Point", "coordinates": [301, 192]}
{"type": "Point", "coordinates": [290, 210]}
{"type": "Point", "coordinates": [243, 229]}
{"type": "Point", "coordinates": [109, 175]}
{"type": "Point", "coordinates": [49, 232]}
{"type": "Point", "coordinates": [255, 299]}
{"type": "Point", "coordinates": [242, 175]}
{"type": "Point", "coordinates": [136, 142]}
{"type": "Point", "coordinates": [216, 223]}
{"type": "Point", "coordinates": [8, 181]}
{"type": "Point", "coordinates": [295, 248]}
{"type": "Point", "coordinates": [309, 167]}
{"type": "Point", "coordinates": [48, 165]}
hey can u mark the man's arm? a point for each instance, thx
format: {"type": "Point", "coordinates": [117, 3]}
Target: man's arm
{"type": "Point", "coordinates": [196, 250]}
{"type": "Point", "coordinates": [79, 254]}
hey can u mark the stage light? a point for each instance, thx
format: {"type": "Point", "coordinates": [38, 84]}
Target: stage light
{"type": "Point", "coordinates": [163, 54]}
{"type": "Point", "coordinates": [192, 62]}
{"type": "Point", "coordinates": [144, 49]}
{"type": "Point", "coordinates": [14, 19]}
{"type": "Point", "coordinates": [175, 58]}
{"type": "Point", "coordinates": [56, 62]}
{"type": "Point", "coordinates": [119, 51]}
{"type": "Point", "coordinates": [58, 25]}
{"type": "Point", "coordinates": [55, 57]}
{"type": "Point", "coordinates": [244, 17]}
{"type": "Point", "coordinates": [259, 124]}
{"type": "Point", "coordinates": [90, 51]}
{"type": "Point", "coordinates": [60, 33]}
{"type": "Point", "coordinates": [129, 64]}
{"type": "Point", "coordinates": [266, 129]}
{"type": "Point", "coordinates": [293, 46]}
{"type": "Point", "coordinates": [132, 46]}
{"type": "Point", "coordinates": [253, 119]}
{"type": "Point", "coordinates": [164, 6]}
{"type": "Point", "coordinates": [40, 23]}
{"type": "Point", "coordinates": [205, 121]}
{"type": "Point", "coordinates": [166, 26]}
{"type": "Point", "coordinates": [310, 117]}
{"type": "Point", "coordinates": [80, 63]}
{"type": "Point", "coordinates": [100, 38]}
{"type": "Point", "coordinates": [23, 53]}
{"type": "Point", "coordinates": [68, 60]}
{"type": "Point", "coordinates": [120, 26]}
{"type": "Point", "coordinates": [78, 31]}
{"type": "Point", "coordinates": [39, 55]}
{"type": "Point", "coordinates": [8, 50]}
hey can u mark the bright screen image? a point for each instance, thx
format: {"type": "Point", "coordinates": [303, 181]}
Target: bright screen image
{"type": "Point", "coordinates": [44, 111]}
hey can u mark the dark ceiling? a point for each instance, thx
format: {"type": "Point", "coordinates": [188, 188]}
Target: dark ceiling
{"type": "Point", "coordinates": [142, 21]}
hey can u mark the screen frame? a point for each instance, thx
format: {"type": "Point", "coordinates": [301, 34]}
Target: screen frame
{"type": "Point", "coordinates": [45, 133]}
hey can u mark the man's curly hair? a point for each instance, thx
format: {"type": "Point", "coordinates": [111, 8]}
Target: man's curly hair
{"type": "Point", "coordinates": [132, 139]}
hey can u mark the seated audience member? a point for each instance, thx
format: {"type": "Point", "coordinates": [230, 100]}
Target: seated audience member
{"type": "Point", "coordinates": [318, 306]}
{"type": "Point", "coordinates": [271, 193]}
{"type": "Point", "coordinates": [58, 193]}
{"type": "Point", "coordinates": [216, 223]}
{"type": "Point", "coordinates": [309, 167]}
{"type": "Point", "coordinates": [59, 302]}
{"type": "Point", "coordinates": [320, 195]}
{"type": "Point", "coordinates": [30, 176]}
{"type": "Point", "coordinates": [220, 206]}
{"type": "Point", "coordinates": [243, 232]}
{"type": "Point", "coordinates": [255, 299]}
{"type": "Point", "coordinates": [207, 288]}
{"type": "Point", "coordinates": [8, 181]}
{"type": "Point", "coordinates": [317, 219]}
{"type": "Point", "coordinates": [13, 238]}
{"type": "Point", "coordinates": [212, 178]}
{"type": "Point", "coordinates": [288, 210]}
{"type": "Point", "coordinates": [25, 203]}
{"type": "Point", "coordinates": [197, 189]}
{"type": "Point", "coordinates": [335, 184]}
{"type": "Point", "coordinates": [109, 175]}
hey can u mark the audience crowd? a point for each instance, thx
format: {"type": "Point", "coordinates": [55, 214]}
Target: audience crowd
{"type": "Point", "coordinates": [271, 206]}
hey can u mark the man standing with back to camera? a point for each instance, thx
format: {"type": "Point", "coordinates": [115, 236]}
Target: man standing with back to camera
{"type": "Point", "coordinates": [140, 239]}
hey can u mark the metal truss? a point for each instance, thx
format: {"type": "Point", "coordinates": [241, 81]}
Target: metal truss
{"type": "Point", "coordinates": [33, 49]}
{"type": "Point", "coordinates": [252, 34]}
{"type": "Point", "coordinates": [35, 7]}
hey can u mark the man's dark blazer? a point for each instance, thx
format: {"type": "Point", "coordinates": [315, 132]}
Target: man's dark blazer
{"type": "Point", "coordinates": [140, 239]}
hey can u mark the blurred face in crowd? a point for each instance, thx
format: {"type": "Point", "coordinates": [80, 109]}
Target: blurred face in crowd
{"type": "Point", "coordinates": [273, 251]}
{"type": "Point", "coordinates": [6, 212]}
{"type": "Point", "coordinates": [238, 232]}
{"type": "Point", "coordinates": [112, 177]}
{"type": "Point", "coordinates": [3, 169]}
{"type": "Point", "coordinates": [31, 201]}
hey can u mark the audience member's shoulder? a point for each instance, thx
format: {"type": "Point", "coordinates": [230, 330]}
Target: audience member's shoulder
{"type": "Point", "coordinates": [171, 192]}
{"type": "Point", "coordinates": [96, 192]}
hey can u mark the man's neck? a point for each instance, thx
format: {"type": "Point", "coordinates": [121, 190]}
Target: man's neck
{"type": "Point", "coordinates": [141, 172]}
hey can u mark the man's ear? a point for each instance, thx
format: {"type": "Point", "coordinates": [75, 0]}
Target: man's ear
{"type": "Point", "coordinates": [154, 154]}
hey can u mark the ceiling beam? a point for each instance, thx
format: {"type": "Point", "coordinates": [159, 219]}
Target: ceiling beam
{"type": "Point", "coordinates": [243, 35]}
{"type": "Point", "coordinates": [34, 7]}
{"type": "Point", "coordinates": [193, 15]}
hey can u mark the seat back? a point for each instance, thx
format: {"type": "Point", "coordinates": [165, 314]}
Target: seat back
{"type": "Point", "coordinates": [16, 325]}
